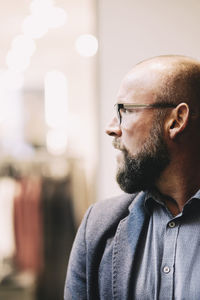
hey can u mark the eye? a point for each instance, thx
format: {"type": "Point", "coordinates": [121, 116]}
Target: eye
{"type": "Point", "coordinates": [125, 111]}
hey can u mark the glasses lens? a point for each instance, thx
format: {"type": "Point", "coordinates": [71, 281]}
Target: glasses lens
{"type": "Point", "coordinates": [117, 108]}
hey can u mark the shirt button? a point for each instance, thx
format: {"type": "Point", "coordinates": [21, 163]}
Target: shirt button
{"type": "Point", "coordinates": [172, 224]}
{"type": "Point", "coordinates": [166, 269]}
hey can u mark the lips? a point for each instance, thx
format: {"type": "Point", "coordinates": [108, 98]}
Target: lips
{"type": "Point", "coordinates": [117, 145]}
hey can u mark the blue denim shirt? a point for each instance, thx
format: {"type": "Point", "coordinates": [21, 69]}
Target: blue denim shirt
{"type": "Point", "coordinates": [168, 259]}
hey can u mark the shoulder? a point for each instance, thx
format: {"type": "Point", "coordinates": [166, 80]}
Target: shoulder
{"type": "Point", "coordinates": [104, 215]}
{"type": "Point", "coordinates": [96, 231]}
{"type": "Point", "coordinates": [115, 206]}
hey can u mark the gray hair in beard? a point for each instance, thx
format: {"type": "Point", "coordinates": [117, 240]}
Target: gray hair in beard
{"type": "Point", "coordinates": [141, 171]}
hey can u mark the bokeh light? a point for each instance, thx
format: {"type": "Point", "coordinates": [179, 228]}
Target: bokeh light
{"type": "Point", "coordinates": [56, 141]}
{"type": "Point", "coordinates": [56, 99]}
{"type": "Point", "coordinates": [86, 45]}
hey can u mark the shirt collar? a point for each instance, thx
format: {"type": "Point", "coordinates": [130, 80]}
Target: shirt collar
{"type": "Point", "coordinates": [153, 198]}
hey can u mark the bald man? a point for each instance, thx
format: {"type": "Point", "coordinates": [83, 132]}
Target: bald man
{"type": "Point", "coordinates": [145, 244]}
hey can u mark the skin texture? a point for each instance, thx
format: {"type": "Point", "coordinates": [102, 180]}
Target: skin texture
{"type": "Point", "coordinates": [174, 79]}
{"type": "Point", "coordinates": [140, 171]}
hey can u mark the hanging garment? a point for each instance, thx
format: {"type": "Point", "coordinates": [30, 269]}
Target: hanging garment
{"type": "Point", "coordinates": [28, 226]}
{"type": "Point", "coordinates": [7, 240]}
{"type": "Point", "coordinates": [59, 232]}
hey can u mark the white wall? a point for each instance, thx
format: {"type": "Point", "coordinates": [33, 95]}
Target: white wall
{"type": "Point", "coordinates": [130, 31]}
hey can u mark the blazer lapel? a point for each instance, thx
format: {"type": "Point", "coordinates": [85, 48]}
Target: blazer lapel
{"type": "Point", "coordinates": [125, 243]}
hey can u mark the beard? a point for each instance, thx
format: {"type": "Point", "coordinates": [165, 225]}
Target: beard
{"type": "Point", "coordinates": [141, 171]}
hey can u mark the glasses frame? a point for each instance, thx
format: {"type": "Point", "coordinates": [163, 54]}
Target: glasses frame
{"type": "Point", "coordinates": [158, 105]}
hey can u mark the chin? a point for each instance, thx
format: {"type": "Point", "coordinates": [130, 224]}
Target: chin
{"type": "Point", "coordinates": [120, 160]}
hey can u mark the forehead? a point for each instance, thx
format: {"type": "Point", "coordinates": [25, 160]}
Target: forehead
{"type": "Point", "coordinates": [141, 84]}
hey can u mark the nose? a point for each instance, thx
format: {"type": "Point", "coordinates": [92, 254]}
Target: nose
{"type": "Point", "coordinates": [113, 128]}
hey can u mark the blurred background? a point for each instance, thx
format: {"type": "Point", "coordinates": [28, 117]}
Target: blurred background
{"type": "Point", "coordinates": [61, 63]}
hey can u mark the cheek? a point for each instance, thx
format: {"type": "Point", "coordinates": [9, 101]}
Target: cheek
{"type": "Point", "coordinates": [131, 141]}
{"type": "Point", "coordinates": [134, 135]}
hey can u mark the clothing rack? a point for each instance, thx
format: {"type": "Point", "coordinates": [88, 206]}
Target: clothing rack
{"type": "Point", "coordinates": [51, 189]}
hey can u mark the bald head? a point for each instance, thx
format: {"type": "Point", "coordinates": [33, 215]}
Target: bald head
{"type": "Point", "coordinates": [169, 78]}
{"type": "Point", "coordinates": [166, 80]}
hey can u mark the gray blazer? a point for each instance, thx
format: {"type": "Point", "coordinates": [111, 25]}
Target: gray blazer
{"type": "Point", "coordinates": [101, 259]}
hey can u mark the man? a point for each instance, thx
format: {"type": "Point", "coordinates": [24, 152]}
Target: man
{"type": "Point", "coordinates": [145, 244]}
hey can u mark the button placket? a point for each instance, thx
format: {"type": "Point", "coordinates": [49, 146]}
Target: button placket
{"type": "Point", "coordinates": [169, 250]}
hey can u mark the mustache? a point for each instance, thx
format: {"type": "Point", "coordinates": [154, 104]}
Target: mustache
{"type": "Point", "coordinates": [117, 145]}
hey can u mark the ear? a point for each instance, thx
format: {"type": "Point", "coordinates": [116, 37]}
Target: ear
{"type": "Point", "coordinates": [178, 120]}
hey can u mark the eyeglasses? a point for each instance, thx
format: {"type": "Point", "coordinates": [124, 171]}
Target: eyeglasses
{"type": "Point", "coordinates": [122, 108]}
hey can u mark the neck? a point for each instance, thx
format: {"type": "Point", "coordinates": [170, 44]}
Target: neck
{"type": "Point", "coordinates": [178, 184]}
